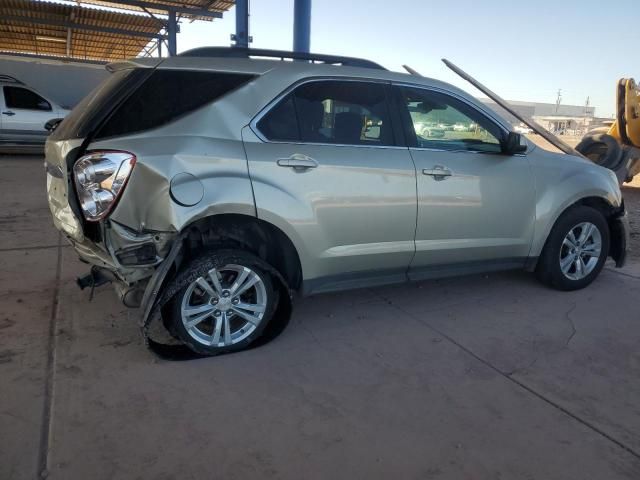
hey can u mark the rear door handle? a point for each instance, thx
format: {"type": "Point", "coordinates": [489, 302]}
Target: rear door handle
{"type": "Point", "coordinates": [8, 113]}
{"type": "Point", "coordinates": [438, 172]}
{"type": "Point", "coordinates": [297, 161]}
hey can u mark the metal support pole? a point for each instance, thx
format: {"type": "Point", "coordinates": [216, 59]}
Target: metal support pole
{"type": "Point", "coordinates": [301, 25]}
{"type": "Point", "coordinates": [172, 30]}
{"type": "Point", "coordinates": [242, 24]}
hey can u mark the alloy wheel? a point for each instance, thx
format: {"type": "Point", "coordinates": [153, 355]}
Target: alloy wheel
{"type": "Point", "coordinates": [225, 306]}
{"type": "Point", "coordinates": [580, 251]}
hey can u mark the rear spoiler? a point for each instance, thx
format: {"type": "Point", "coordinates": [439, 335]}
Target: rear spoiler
{"type": "Point", "coordinates": [134, 63]}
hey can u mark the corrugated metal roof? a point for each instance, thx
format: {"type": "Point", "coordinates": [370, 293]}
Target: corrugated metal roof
{"type": "Point", "coordinates": [209, 5]}
{"type": "Point", "coordinates": [69, 30]}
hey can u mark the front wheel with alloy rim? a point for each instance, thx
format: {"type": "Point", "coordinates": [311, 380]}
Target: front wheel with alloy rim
{"type": "Point", "coordinates": [576, 249]}
{"type": "Point", "coordinates": [223, 303]}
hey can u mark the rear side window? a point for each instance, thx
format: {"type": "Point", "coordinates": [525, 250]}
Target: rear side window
{"type": "Point", "coordinates": [331, 111]}
{"type": "Point", "coordinates": [280, 124]}
{"type": "Point", "coordinates": [167, 95]}
{"type": "Point", "coordinates": [22, 98]}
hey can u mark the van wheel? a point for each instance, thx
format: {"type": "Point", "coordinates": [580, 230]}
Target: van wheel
{"type": "Point", "coordinates": [576, 249]}
{"type": "Point", "coordinates": [223, 303]}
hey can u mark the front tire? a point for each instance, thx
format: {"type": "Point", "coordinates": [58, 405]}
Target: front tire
{"type": "Point", "coordinates": [576, 249]}
{"type": "Point", "coordinates": [223, 302]}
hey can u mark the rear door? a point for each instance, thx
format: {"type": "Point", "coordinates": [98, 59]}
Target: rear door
{"type": "Point", "coordinates": [476, 205]}
{"type": "Point", "coordinates": [327, 169]}
{"type": "Point", "coordinates": [25, 114]}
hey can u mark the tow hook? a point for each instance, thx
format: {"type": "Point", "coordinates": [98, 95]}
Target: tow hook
{"type": "Point", "coordinates": [95, 278]}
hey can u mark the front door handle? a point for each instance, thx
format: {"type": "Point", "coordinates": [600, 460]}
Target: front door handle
{"type": "Point", "coordinates": [438, 172]}
{"type": "Point", "coordinates": [8, 113]}
{"type": "Point", "coordinates": [298, 162]}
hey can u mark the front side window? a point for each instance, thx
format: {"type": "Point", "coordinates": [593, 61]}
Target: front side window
{"type": "Point", "coordinates": [18, 97]}
{"type": "Point", "coordinates": [333, 112]}
{"type": "Point", "coordinates": [445, 123]}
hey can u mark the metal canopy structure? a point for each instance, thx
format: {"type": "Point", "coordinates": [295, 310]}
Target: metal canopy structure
{"type": "Point", "coordinates": [107, 30]}
{"type": "Point", "coordinates": [191, 9]}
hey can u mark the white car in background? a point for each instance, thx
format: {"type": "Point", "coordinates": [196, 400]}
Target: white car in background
{"type": "Point", "coordinates": [522, 129]}
{"type": "Point", "coordinates": [25, 115]}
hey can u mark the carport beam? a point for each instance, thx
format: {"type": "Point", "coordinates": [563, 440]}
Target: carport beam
{"type": "Point", "coordinates": [301, 26]}
{"type": "Point", "coordinates": [172, 30]}
{"type": "Point", "coordinates": [241, 37]}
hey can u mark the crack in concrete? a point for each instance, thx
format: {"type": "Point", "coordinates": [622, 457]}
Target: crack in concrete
{"type": "Point", "coordinates": [525, 368]}
{"type": "Point", "coordinates": [567, 316]}
{"type": "Point", "coordinates": [43, 247]}
{"type": "Point", "coordinates": [47, 409]}
{"type": "Point", "coordinates": [624, 274]}
{"type": "Point", "coordinates": [520, 383]}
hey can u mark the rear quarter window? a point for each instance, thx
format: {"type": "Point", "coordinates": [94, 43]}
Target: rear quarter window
{"type": "Point", "coordinates": [167, 95]}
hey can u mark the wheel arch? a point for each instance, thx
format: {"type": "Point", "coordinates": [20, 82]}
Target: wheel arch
{"type": "Point", "coordinates": [262, 238]}
{"type": "Point", "coordinates": [605, 207]}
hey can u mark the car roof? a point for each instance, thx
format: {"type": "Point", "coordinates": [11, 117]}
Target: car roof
{"type": "Point", "coordinates": [297, 69]}
{"type": "Point", "coordinates": [287, 72]}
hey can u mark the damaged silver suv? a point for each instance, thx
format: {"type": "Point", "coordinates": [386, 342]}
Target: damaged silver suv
{"type": "Point", "coordinates": [210, 186]}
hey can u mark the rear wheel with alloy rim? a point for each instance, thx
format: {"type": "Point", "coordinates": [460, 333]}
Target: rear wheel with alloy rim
{"type": "Point", "coordinates": [576, 249]}
{"type": "Point", "coordinates": [223, 303]}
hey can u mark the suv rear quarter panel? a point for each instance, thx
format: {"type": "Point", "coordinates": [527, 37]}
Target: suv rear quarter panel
{"type": "Point", "coordinates": [206, 144]}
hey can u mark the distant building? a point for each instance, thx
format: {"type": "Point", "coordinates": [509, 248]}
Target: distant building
{"type": "Point", "coordinates": [571, 119]}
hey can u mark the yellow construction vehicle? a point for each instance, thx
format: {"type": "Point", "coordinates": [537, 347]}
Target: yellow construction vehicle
{"type": "Point", "coordinates": [618, 147]}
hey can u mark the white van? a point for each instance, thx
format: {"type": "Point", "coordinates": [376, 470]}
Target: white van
{"type": "Point", "coordinates": [24, 113]}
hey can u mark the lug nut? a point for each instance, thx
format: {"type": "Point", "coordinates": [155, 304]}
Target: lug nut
{"type": "Point", "coordinates": [225, 293]}
{"type": "Point", "coordinates": [217, 313]}
{"type": "Point", "coordinates": [235, 301]}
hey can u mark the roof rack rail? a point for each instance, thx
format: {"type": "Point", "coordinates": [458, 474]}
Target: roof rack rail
{"type": "Point", "coordinates": [238, 52]}
{"type": "Point", "coordinates": [9, 78]}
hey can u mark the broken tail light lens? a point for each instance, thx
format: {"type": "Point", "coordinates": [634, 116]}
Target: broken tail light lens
{"type": "Point", "coordinates": [100, 178]}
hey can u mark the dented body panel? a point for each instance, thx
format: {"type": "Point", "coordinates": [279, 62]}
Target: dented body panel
{"type": "Point", "coordinates": [564, 180]}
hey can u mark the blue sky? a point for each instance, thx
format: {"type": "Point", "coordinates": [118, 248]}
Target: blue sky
{"type": "Point", "coordinates": [521, 50]}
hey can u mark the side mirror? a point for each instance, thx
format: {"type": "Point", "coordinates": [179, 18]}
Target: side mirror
{"type": "Point", "coordinates": [52, 124]}
{"type": "Point", "coordinates": [513, 144]}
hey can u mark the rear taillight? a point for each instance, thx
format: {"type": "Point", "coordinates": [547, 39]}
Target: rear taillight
{"type": "Point", "coordinates": [100, 178]}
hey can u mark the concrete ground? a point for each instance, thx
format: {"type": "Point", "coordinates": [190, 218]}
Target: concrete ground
{"type": "Point", "coordinates": [480, 377]}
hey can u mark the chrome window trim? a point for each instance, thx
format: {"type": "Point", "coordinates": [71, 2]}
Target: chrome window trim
{"type": "Point", "coordinates": [427, 149]}
{"type": "Point", "coordinates": [253, 124]}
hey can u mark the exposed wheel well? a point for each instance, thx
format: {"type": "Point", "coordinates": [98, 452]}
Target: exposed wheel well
{"type": "Point", "coordinates": [599, 204]}
{"type": "Point", "coordinates": [249, 233]}
{"type": "Point", "coordinates": [617, 236]}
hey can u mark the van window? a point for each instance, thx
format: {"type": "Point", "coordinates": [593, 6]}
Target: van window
{"type": "Point", "coordinates": [22, 98]}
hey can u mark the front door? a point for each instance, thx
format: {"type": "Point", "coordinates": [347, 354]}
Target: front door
{"type": "Point", "coordinates": [326, 169]}
{"type": "Point", "coordinates": [476, 205]}
{"type": "Point", "coordinates": [24, 115]}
